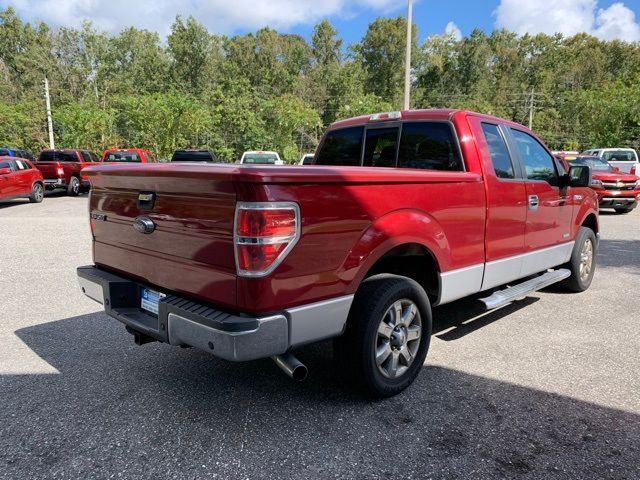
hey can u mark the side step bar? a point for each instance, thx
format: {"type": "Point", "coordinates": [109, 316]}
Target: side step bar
{"type": "Point", "coordinates": [521, 290]}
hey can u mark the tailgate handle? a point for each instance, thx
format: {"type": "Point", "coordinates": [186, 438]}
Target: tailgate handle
{"type": "Point", "coordinates": [146, 200]}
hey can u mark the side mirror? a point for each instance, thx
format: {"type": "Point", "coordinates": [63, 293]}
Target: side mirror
{"type": "Point", "coordinates": [5, 171]}
{"type": "Point", "coordinates": [579, 176]}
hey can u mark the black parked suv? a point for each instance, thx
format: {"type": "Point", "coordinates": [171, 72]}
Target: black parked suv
{"type": "Point", "coordinates": [200, 156]}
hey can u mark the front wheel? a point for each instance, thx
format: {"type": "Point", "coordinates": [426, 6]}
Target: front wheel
{"type": "Point", "coordinates": [387, 336]}
{"type": "Point", "coordinates": [74, 187]}
{"type": "Point", "coordinates": [583, 261]}
{"type": "Point", "coordinates": [37, 193]}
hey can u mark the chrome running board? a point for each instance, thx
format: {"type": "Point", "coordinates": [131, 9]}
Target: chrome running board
{"type": "Point", "coordinates": [521, 290]}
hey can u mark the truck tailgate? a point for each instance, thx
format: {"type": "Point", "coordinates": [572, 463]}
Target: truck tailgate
{"type": "Point", "coordinates": [190, 251]}
{"type": "Point", "coordinates": [49, 170]}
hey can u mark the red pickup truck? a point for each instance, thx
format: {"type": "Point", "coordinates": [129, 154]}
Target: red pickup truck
{"type": "Point", "coordinates": [63, 169]}
{"type": "Point", "coordinates": [400, 212]}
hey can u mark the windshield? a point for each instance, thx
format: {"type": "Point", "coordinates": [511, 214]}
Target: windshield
{"type": "Point", "coordinates": [260, 158]}
{"type": "Point", "coordinates": [122, 157]}
{"type": "Point", "coordinates": [596, 164]}
{"type": "Point", "coordinates": [620, 156]}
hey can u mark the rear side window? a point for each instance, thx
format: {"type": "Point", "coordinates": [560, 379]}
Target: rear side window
{"type": "Point", "coordinates": [380, 147]}
{"type": "Point", "coordinates": [500, 158]}
{"type": "Point", "coordinates": [341, 147]}
{"type": "Point", "coordinates": [429, 145]}
{"type": "Point", "coordinates": [22, 165]}
{"type": "Point", "coordinates": [538, 163]}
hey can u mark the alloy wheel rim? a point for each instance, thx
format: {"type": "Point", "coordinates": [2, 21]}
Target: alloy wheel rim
{"type": "Point", "coordinates": [38, 193]}
{"type": "Point", "coordinates": [76, 186]}
{"type": "Point", "coordinates": [586, 259]}
{"type": "Point", "coordinates": [398, 338]}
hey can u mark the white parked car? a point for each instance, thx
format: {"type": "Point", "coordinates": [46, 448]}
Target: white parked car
{"type": "Point", "coordinates": [261, 158]}
{"type": "Point", "coordinates": [307, 159]}
{"type": "Point", "coordinates": [626, 159]}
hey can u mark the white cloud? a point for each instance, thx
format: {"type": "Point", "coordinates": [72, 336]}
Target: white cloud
{"type": "Point", "coordinates": [453, 31]}
{"type": "Point", "coordinates": [568, 17]}
{"type": "Point", "coordinates": [220, 16]}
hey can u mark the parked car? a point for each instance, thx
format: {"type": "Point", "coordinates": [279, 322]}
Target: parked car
{"type": "Point", "coordinates": [199, 156]}
{"type": "Point", "coordinates": [127, 155]}
{"type": "Point", "coordinates": [615, 189]}
{"type": "Point", "coordinates": [63, 169]}
{"type": "Point", "coordinates": [261, 158]}
{"type": "Point", "coordinates": [626, 159]}
{"type": "Point", "coordinates": [16, 152]}
{"type": "Point", "coordinates": [307, 159]}
{"type": "Point", "coordinates": [20, 179]}
{"type": "Point", "coordinates": [404, 211]}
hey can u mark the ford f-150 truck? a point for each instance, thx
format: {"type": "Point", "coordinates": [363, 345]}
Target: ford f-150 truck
{"type": "Point", "coordinates": [400, 212]}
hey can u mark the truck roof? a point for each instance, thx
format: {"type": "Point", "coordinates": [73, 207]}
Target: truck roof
{"type": "Point", "coordinates": [418, 114]}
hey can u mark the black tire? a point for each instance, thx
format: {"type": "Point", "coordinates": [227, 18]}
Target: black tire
{"type": "Point", "coordinates": [622, 211]}
{"type": "Point", "coordinates": [579, 282]}
{"type": "Point", "coordinates": [37, 193]}
{"type": "Point", "coordinates": [73, 189]}
{"type": "Point", "coordinates": [356, 349]}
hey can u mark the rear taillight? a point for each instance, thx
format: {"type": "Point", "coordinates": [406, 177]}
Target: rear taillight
{"type": "Point", "coordinates": [264, 233]}
{"type": "Point", "coordinates": [59, 170]}
{"type": "Point", "coordinates": [633, 170]}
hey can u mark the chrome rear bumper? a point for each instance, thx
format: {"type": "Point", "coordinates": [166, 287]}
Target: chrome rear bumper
{"type": "Point", "coordinates": [235, 337]}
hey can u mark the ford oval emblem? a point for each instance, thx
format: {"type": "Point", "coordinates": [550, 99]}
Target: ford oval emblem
{"type": "Point", "coordinates": [144, 225]}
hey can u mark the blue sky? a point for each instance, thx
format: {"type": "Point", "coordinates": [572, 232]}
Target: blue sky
{"type": "Point", "coordinates": [606, 19]}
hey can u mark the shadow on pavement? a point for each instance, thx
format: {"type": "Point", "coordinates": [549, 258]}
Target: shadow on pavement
{"type": "Point", "coordinates": [619, 253]}
{"type": "Point", "coordinates": [160, 411]}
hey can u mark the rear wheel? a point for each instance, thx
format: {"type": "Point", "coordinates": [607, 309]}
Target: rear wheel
{"type": "Point", "coordinates": [388, 334]}
{"type": "Point", "coordinates": [583, 261]}
{"type": "Point", "coordinates": [74, 187]}
{"type": "Point", "coordinates": [37, 193]}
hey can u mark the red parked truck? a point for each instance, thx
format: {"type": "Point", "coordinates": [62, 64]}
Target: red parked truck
{"type": "Point", "coordinates": [20, 179]}
{"type": "Point", "coordinates": [400, 213]}
{"type": "Point", "coordinates": [62, 169]}
{"type": "Point", "coordinates": [127, 155]}
{"type": "Point", "coordinates": [615, 189]}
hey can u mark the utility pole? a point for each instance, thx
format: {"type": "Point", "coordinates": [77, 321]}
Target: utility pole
{"type": "Point", "coordinates": [407, 62]}
{"type": "Point", "coordinates": [49, 121]}
{"type": "Point", "coordinates": [531, 107]}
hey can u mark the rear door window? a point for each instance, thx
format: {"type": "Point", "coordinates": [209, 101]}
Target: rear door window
{"type": "Point", "coordinates": [500, 158]}
{"type": "Point", "coordinates": [380, 147]}
{"type": "Point", "coordinates": [341, 147]}
{"type": "Point", "coordinates": [429, 145]}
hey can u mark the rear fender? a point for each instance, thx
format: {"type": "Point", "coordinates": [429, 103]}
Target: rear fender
{"type": "Point", "coordinates": [389, 231]}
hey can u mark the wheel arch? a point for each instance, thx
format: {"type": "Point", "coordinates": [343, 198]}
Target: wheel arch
{"type": "Point", "coordinates": [406, 242]}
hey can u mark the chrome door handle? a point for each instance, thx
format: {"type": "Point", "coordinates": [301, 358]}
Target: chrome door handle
{"type": "Point", "coordinates": [534, 202]}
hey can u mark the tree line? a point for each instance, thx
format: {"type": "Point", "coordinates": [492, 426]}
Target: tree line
{"type": "Point", "coordinates": [267, 90]}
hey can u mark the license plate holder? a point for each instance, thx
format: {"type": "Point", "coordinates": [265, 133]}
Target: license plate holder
{"type": "Point", "coordinates": [150, 300]}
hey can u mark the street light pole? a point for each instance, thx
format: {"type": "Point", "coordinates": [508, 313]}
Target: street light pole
{"type": "Point", "coordinates": [407, 62]}
{"type": "Point", "coordinates": [52, 145]}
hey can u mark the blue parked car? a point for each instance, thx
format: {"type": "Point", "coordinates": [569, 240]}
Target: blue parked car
{"type": "Point", "coordinates": [15, 152]}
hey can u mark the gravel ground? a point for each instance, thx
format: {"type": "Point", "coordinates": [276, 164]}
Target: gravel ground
{"type": "Point", "coordinates": [545, 388]}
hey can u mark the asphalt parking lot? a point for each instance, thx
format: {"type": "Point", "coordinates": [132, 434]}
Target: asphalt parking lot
{"type": "Point", "coordinates": [548, 387]}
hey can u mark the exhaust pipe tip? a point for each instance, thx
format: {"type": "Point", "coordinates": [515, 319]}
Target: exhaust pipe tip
{"type": "Point", "coordinates": [290, 365]}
